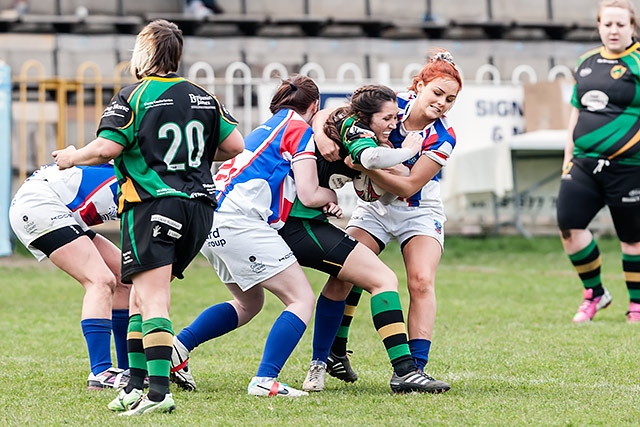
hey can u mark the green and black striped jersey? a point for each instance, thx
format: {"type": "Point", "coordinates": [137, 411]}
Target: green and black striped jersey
{"type": "Point", "coordinates": [170, 129]}
{"type": "Point", "coordinates": [607, 93]}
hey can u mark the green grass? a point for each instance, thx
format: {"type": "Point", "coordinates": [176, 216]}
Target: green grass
{"type": "Point", "coordinates": [503, 340]}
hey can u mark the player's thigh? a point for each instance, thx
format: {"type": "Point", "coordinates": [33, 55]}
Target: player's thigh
{"type": "Point", "coordinates": [365, 237]}
{"type": "Point", "coordinates": [626, 221]}
{"type": "Point", "coordinates": [622, 189]}
{"type": "Point", "coordinates": [109, 252]}
{"type": "Point", "coordinates": [81, 260]}
{"type": "Point", "coordinates": [199, 217]}
{"type": "Point", "coordinates": [291, 286]}
{"type": "Point", "coordinates": [368, 225]}
{"type": "Point", "coordinates": [245, 250]}
{"type": "Point", "coordinates": [580, 198]}
{"type": "Point", "coordinates": [318, 244]}
{"type": "Point", "coordinates": [364, 269]}
{"type": "Point", "coordinates": [33, 217]}
{"type": "Point", "coordinates": [246, 304]}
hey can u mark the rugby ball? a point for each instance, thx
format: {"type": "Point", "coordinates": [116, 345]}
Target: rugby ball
{"type": "Point", "coordinates": [366, 189]}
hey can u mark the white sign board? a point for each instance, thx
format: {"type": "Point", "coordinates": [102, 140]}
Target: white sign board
{"type": "Point", "coordinates": [486, 114]}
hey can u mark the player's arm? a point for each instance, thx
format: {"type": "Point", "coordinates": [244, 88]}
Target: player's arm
{"type": "Point", "coordinates": [364, 147]}
{"type": "Point", "coordinates": [406, 186]}
{"type": "Point", "coordinates": [230, 147]}
{"type": "Point", "coordinates": [326, 146]}
{"type": "Point", "coordinates": [308, 190]}
{"type": "Point", "coordinates": [97, 152]}
{"type": "Point", "coordinates": [568, 149]}
{"type": "Point", "coordinates": [386, 157]}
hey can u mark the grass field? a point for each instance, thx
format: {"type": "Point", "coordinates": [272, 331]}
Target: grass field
{"type": "Point", "coordinates": [503, 340]}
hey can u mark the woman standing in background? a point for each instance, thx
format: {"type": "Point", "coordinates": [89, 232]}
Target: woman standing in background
{"type": "Point", "coordinates": [602, 158]}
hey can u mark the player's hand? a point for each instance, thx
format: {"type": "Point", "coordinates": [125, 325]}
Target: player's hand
{"type": "Point", "coordinates": [349, 163]}
{"type": "Point", "coordinates": [327, 148]}
{"type": "Point", "coordinates": [64, 157]}
{"type": "Point", "coordinates": [400, 170]}
{"type": "Point", "coordinates": [332, 209]}
{"type": "Point", "coordinates": [413, 141]}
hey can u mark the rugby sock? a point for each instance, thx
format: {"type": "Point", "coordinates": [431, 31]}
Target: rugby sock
{"type": "Point", "coordinates": [327, 322]}
{"type": "Point", "coordinates": [137, 359]}
{"type": "Point", "coordinates": [587, 263]}
{"type": "Point", "coordinates": [97, 334]}
{"type": "Point", "coordinates": [213, 322]}
{"type": "Point", "coordinates": [389, 322]}
{"type": "Point", "coordinates": [283, 338]}
{"type": "Point", "coordinates": [157, 339]}
{"type": "Point", "coordinates": [420, 352]}
{"type": "Point", "coordinates": [119, 325]}
{"type": "Point", "coordinates": [631, 268]}
{"type": "Point", "coordinates": [339, 347]}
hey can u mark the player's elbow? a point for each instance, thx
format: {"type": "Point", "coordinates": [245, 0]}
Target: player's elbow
{"type": "Point", "coordinates": [231, 152]}
{"type": "Point", "coordinates": [315, 197]}
{"type": "Point", "coordinates": [406, 191]}
{"type": "Point", "coordinates": [230, 147]}
{"type": "Point", "coordinates": [106, 149]}
{"type": "Point", "coordinates": [307, 198]}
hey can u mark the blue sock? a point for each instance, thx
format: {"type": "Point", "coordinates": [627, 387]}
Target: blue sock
{"type": "Point", "coordinates": [327, 322]}
{"type": "Point", "coordinates": [213, 322]}
{"type": "Point", "coordinates": [283, 338]}
{"type": "Point", "coordinates": [420, 352]}
{"type": "Point", "coordinates": [97, 334]}
{"type": "Point", "coordinates": [119, 325]}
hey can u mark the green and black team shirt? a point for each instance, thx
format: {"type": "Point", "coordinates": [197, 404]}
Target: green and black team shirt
{"type": "Point", "coordinates": [356, 136]}
{"type": "Point", "coordinates": [607, 93]}
{"type": "Point", "coordinates": [170, 129]}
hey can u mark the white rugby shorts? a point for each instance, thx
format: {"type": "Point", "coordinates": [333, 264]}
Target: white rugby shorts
{"type": "Point", "coordinates": [34, 212]}
{"type": "Point", "coordinates": [245, 250]}
{"type": "Point", "coordinates": [387, 222]}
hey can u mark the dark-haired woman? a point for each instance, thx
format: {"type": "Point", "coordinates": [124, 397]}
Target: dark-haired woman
{"type": "Point", "coordinates": [361, 130]}
{"type": "Point", "coordinates": [416, 217]}
{"type": "Point", "coordinates": [257, 190]}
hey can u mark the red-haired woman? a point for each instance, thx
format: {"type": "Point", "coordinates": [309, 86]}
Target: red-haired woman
{"type": "Point", "coordinates": [416, 217]}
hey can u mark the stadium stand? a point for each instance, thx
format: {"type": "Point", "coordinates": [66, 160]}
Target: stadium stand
{"type": "Point", "coordinates": [286, 18]}
{"type": "Point", "coordinates": [70, 16]}
{"type": "Point", "coordinates": [287, 51]}
{"type": "Point", "coordinates": [218, 53]}
{"type": "Point", "coordinates": [17, 49]}
{"type": "Point", "coordinates": [521, 19]}
{"type": "Point", "coordinates": [74, 50]}
{"type": "Point", "coordinates": [361, 14]}
{"type": "Point", "coordinates": [293, 32]}
{"type": "Point", "coordinates": [106, 17]}
{"type": "Point", "coordinates": [435, 19]}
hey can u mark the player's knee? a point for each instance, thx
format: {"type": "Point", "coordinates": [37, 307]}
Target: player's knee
{"type": "Point", "coordinates": [101, 285]}
{"type": "Point", "coordinates": [386, 281]}
{"type": "Point", "coordinates": [250, 307]}
{"type": "Point", "coordinates": [122, 291]}
{"type": "Point", "coordinates": [105, 279]}
{"type": "Point", "coordinates": [421, 285]}
{"type": "Point", "coordinates": [565, 234]}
